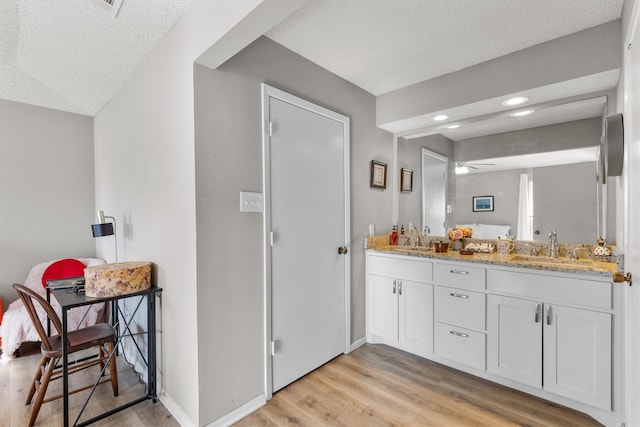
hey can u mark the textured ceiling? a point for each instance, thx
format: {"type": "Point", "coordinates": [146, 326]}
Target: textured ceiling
{"type": "Point", "coordinates": [382, 45]}
{"type": "Point", "coordinates": [74, 55]}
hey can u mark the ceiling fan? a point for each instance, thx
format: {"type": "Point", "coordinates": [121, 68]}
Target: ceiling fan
{"type": "Point", "coordinates": [463, 167]}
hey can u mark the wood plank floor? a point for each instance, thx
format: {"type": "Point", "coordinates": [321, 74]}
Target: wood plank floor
{"type": "Point", "coordinates": [379, 386]}
{"type": "Point", "coordinates": [15, 380]}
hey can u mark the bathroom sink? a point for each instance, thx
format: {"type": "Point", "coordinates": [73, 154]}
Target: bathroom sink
{"type": "Point", "coordinates": [582, 264]}
{"type": "Point", "coordinates": [413, 249]}
{"type": "Point", "coordinates": [568, 262]}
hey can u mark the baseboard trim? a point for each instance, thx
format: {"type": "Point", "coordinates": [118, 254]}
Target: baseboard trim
{"type": "Point", "coordinates": [359, 343]}
{"type": "Point", "coordinates": [239, 413]}
{"type": "Point", "coordinates": [176, 411]}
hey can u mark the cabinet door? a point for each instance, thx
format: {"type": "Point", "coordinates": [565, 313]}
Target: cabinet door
{"type": "Point", "coordinates": [515, 339]}
{"type": "Point", "coordinates": [383, 309]}
{"type": "Point", "coordinates": [577, 356]}
{"type": "Point", "coordinates": [416, 317]}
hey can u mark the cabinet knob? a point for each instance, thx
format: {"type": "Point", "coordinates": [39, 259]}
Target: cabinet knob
{"type": "Point", "coordinates": [619, 278]}
{"type": "Point", "coordinates": [342, 250]}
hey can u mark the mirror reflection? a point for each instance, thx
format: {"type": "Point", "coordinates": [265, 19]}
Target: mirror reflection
{"type": "Point", "coordinates": [541, 178]}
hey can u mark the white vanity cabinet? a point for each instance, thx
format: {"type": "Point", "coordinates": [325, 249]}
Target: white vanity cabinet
{"type": "Point", "coordinates": [545, 332]}
{"type": "Point", "coordinates": [515, 339]}
{"type": "Point", "coordinates": [577, 355]}
{"type": "Point", "coordinates": [546, 344]}
{"type": "Point", "coordinates": [400, 303]}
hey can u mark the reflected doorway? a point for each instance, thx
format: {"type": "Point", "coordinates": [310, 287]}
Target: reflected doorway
{"type": "Point", "coordinates": [434, 191]}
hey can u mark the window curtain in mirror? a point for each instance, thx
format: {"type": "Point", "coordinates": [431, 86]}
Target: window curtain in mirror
{"type": "Point", "coordinates": [525, 210]}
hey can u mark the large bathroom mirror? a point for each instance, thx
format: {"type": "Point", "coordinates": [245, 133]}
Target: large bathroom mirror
{"type": "Point", "coordinates": [545, 177]}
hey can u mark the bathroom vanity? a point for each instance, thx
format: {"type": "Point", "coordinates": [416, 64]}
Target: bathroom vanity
{"type": "Point", "coordinates": [549, 329]}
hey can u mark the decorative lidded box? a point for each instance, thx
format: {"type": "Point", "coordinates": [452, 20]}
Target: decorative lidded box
{"type": "Point", "coordinates": [117, 279]}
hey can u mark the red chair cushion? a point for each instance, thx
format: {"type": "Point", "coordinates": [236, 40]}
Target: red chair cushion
{"type": "Point", "coordinates": [62, 269]}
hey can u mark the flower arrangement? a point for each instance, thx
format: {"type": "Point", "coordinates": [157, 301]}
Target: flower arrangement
{"type": "Point", "coordinates": [459, 233]}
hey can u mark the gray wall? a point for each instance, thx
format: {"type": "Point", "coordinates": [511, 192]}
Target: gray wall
{"type": "Point", "coordinates": [564, 198]}
{"type": "Point", "coordinates": [229, 243]}
{"type": "Point", "coordinates": [410, 156]}
{"type": "Point", "coordinates": [46, 188]}
{"type": "Point", "coordinates": [563, 136]}
{"type": "Point", "coordinates": [503, 186]}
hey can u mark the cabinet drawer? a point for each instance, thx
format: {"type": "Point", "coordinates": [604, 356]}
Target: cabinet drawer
{"type": "Point", "coordinates": [460, 276]}
{"type": "Point", "coordinates": [460, 345]}
{"type": "Point", "coordinates": [409, 269]}
{"type": "Point", "coordinates": [556, 289]}
{"type": "Point", "coordinates": [460, 307]}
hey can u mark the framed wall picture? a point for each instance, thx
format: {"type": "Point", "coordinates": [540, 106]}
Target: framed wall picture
{"type": "Point", "coordinates": [483, 203]}
{"type": "Point", "coordinates": [378, 174]}
{"type": "Point", "coordinates": [406, 180]}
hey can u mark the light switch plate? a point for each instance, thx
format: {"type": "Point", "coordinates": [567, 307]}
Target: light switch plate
{"type": "Point", "coordinates": [251, 201]}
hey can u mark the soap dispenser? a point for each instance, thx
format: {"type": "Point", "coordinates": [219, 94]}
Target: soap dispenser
{"type": "Point", "coordinates": [393, 237]}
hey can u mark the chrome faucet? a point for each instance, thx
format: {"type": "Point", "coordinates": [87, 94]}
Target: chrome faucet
{"type": "Point", "coordinates": [534, 251]}
{"type": "Point", "coordinates": [573, 254]}
{"type": "Point", "coordinates": [553, 243]}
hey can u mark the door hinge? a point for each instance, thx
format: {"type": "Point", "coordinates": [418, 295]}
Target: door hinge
{"type": "Point", "coordinates": [271, 239]}
{"type": "Point", "coordinates": [273, 348]}
{"type": "Point", "coordinates": [270, 128]}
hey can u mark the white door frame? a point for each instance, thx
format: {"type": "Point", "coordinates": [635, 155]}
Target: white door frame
{"type": "Point", "coordinates": [272, 92]}
{"type": "Point", "coordinates": [632, 297]}
{"type": "Point", "coordinates": [423, 153]}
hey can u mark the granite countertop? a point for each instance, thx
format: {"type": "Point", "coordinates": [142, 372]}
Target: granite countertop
{"type": "Point", "coordinates": [582, 266]}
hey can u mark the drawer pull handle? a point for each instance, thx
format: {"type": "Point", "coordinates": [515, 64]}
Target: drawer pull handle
{"type": "Point", "coordinates": [459, 334]}
{"type": "Point", "coordinates": [536, 317]}
{"type": "Point", "coordinates": [459, 295]}
{"type": "Point", "coordinates": [394, 286]}
{"type": "Point", "coordinates": [458, 272]}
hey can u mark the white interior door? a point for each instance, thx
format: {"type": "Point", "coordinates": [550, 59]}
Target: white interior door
{"type": "Point", "coordinates": [307, 203]}
{"type": "Point", "coordinates": [434, 192]}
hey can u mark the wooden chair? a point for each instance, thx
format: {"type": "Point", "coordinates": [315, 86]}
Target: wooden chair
{"type": "Point", "coordinates": [100, 335]}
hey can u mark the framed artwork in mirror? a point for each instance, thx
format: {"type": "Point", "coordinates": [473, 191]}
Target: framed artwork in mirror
{"type": "Point", "coordinates": [406, 180]}
{"type": "Point", "coordinates": [483, 203]}
{"type": "Point", "coordinates": [378, 175]}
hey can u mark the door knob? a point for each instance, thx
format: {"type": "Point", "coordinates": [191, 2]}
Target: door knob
{"type": "Point", "coordinates": [342, 250]}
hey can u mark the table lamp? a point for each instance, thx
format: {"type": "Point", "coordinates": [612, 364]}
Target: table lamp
{"type": "Point", "coordinates": [104, 228]}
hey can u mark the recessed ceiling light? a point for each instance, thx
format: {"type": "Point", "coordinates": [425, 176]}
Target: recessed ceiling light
{"type": "Point", "coordinates": [521, 113]}
{"type": "Point", "coordinates": [440, 118]}
{"type": "Point", "coordinates": [453, 127]}
{"type": "Point", "coordinates": [517, 100]}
